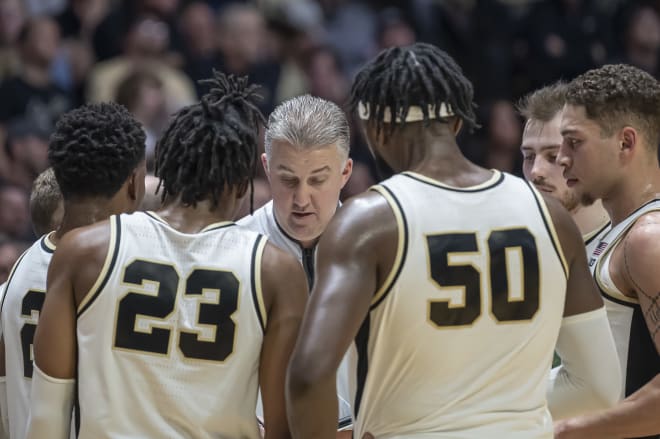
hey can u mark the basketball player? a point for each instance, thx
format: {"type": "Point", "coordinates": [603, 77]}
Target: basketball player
{"type": "Point", "coordinates": [97, 156]}
{"type": "Point", "coordinates": [452, 279]}
{"type": "Point", "coordinates": [611, 130]}
{"type": "Point", "coordinates": [177, 315]}
{"type": "Point", "coordinates": [46, 210]}
{"type": "Point", "coordinates": [540, 143]}
{"type": "Point", "coordinates": [306, 161]}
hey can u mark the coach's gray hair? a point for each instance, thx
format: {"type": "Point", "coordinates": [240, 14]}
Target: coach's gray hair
{"type": "Point", "coordinates": [308, 122]}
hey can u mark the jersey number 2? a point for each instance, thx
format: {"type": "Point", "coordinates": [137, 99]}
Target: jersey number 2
{"type": "Point", "coordinates": [466, 276]}
{"type": "Point", "coordinates": [156, 339]}
{"type": "Point", "coordinates": [33, 301]}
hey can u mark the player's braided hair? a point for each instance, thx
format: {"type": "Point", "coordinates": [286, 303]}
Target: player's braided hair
{"type": "Point", "coordinates": [417, 75]}
{"type": "Point", "coordinates": [94, 149]}
{"type": "Point", "coordinates": [211, 146]}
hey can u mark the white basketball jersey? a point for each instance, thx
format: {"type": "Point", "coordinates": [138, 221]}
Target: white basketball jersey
{"type": "Point", "coordinates": [263, 221]}
{"type": "Point", "coordinates": [459, 340]}
{"type": "Point", "coordinates": [638, 356]}
{"type": "Point", "coordinates": [24, 297]}
{"type": "Point", "coordinates": [170, 335]}
{"type": "Point", "coordinates": [592, 239]}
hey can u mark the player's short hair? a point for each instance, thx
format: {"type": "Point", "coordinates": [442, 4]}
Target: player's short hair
{"type": "Point", "coordinates": [94, 149]}
{"type": "Point", "coordinates": [211, 146]}
{"type": "Point", "coordinates": [419, 75]}
{"type": "Point", "coordinates": [616, 95]}
{"type": "Point", "coordinates": [543, 104]}
{"type": "Point", "coordinates": [308, 122]}
{"type": "Point", "coordinates": [45, 198]}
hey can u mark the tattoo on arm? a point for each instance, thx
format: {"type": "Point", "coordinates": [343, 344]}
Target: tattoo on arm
{"type": "Point", "coordinates": [652, 314]}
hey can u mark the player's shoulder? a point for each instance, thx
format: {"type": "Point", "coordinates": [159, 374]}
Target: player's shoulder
{"type": "Point", "coordinates": [642, 238]}
{"type": "Point", "coordinates": [87, 240]}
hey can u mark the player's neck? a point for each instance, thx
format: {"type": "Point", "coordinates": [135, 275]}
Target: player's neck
{"type": "Point", "coordinates": [83, 213]}
{"type": "Point", "coordinates": [188, 219]}
{"type": "Point", "coordinates": [634, 190]}
{"type": "Point", "coordinates": [590, 218]}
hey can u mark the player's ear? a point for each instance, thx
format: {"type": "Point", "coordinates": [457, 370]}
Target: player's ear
{"type": "Point", "coordinates": [457, 125]}
{"type": "Point", "coordinates": [628, 138]}
{"type": "Point", "coordinates": [136, 183]}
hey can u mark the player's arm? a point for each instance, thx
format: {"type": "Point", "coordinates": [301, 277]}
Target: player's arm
{"type": "Point", "coordinates": [53, 379]}
{"type": "Point", "coordinates": [285, 293]}
{"type": "Point", "coordinates": [635, 416]}
{"type": "Point", "coordinates": [73, 269]}
{"type": "Point", "coordinates": [353, 253]}
{"type": "Point", "coordinates": [590, 376]}
{"type": "Point", "coordinates": [640, 256]}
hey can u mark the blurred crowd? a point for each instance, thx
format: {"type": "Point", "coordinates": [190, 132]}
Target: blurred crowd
{"type": "Point", "coordinates": [150, 55]}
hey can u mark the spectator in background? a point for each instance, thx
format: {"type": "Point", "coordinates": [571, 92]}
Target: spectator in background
{"type": "Point", "coordinates": [326, 79]}
{"type": "Point", "coordinates": [641, 45]}
{"type": "Point", "coordinates": [12, 19]}
{"type": "Point", "coordinates": [497, 144]}
{"type": "Point", "coordinates": [567, 38]}
{"type": "Point", "coordinates": [393, 30]}
{"type": "Point", "coordinates": [10, 251]}
{"type": "Point", "coordinates": [14, 215]}
{"type": "Point", "coordinates": [142, 93]}
{"type": "Point", "coordinates": [145, 47]}
{"type": "Point", "coordinates": [25, 152]}
{"type": "Point", "coordinates": [197, 28]}
{"type": "Point", "coordinates": [109, 34]}
{"type": "Point", "coordinates": [243, 50]}
{"type": "Point", "coordinates": [32, 92]}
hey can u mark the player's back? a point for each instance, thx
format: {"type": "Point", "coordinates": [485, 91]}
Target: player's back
{"type": "Point", "coordinates": [24, 297]}
{"type": "Point", "coordinates": [460, 341]}
{"type": "Point", "coordinates": [169, 338]}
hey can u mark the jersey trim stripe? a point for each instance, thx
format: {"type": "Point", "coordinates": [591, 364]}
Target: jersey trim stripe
{"type": "Point", "coordinates": [549, 225]}
{"type": "Point", "coordinates": [108, 265]}
{"type": "Point", "coordinates": [497, 178]}
{"type": "Point", "coordinates": [589, 237]}
{"type": "Point", "coordinates": [362, 347]}
{"type": "Point", "coordinates": [212, 226]}
{"type": "Point", "coordinates": [402, 245]}
{"type": "Point", "coordinates": [255, 280]}
{"type": "Point", "coordinates": [46, 244]}
{"type": "Point", "coordinates": [10, 277]}
{"type": "Point", "coordinates": [618, 298]}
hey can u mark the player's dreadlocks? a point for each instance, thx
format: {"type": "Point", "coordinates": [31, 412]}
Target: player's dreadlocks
{"type": "Point", "coordinates": [417, 75]}
{"type": "Point", "coordinates": [211, 146]}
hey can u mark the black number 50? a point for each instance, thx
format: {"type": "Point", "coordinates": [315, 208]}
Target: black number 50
{"type": "Point", "coordinates": [468, 277]}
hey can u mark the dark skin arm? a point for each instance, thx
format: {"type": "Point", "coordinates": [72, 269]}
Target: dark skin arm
{"type": "Point", "coordinates": [73, 270]}
{"type": "Point", "coordinates": [284, 287]}
{"type": "Point", "coordinates": [354, 257]}
{"type": "Point", "coordinates": [581, 292]}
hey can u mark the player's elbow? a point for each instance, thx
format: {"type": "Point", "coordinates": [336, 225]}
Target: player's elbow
{"type": "Point", "coordinates": [305, 373]}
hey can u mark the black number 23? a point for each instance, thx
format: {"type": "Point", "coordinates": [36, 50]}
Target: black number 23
{"type": "Point", "coordinates": [161, 305]}
{"type": "Point", "coordinates": [468, 278]}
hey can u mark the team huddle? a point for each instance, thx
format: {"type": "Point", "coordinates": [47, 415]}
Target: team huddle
{"type": "Point", "coordinates": [430, 306]}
